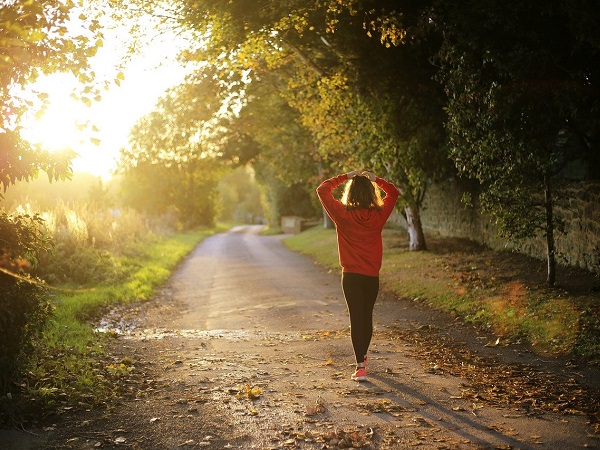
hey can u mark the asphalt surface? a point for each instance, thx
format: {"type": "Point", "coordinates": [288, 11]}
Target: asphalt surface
{"type": "Point", "coordinates": [248, 346]}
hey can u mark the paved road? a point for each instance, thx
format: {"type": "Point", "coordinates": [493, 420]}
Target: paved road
{"type": "Point", "coordinates": [243, 281]}
{"type": "Point", "coordinates": [248, 347]}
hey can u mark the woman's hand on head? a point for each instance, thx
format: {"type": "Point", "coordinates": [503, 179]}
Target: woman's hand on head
{"type": "Point", "coordinates": [369, 175]}
{"type": "Point", "coordinates": [352, 174]}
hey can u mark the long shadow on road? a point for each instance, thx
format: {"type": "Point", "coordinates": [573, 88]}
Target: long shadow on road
{"type": "Point", "coordinates": [434, 414]}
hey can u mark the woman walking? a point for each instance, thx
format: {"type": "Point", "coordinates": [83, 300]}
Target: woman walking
{"type": "Point", "coordinates": [359, 218]}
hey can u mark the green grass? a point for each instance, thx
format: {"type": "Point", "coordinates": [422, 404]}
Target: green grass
{"type": "Point", "coordinates": [271, 231]}
{"type": "Point", "coordinates": [69, 365]}
{"type": "Point", "coordinates": [154, 262]}
{"type": "Point", "coordinates": [477, 288]}
{"type": "Point", "coordinates": [317, 242]}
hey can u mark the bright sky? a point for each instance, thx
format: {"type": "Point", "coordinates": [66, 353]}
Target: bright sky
{"type": "Point", "coordinates": [147, 76]}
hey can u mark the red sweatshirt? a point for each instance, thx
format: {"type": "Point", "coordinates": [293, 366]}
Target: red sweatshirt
{"type": "Point", "coordinates": [358, 231]}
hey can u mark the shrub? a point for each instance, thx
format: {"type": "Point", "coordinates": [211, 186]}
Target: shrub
{"type": "Point", "coordinates": [87, 242]}
{"type": "Point", "coordinates": [24, 304]}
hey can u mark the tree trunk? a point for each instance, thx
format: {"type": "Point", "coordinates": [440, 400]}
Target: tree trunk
{"type": "Point", "coordinates": [416, 238]}
{"type": "Point", "coordinates": [550, 252]}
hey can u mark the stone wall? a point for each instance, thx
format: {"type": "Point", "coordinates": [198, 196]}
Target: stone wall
{"type": "Point", "coordinates": [445, 215]}
{"type": "Point", "coordinates": [580, 245]}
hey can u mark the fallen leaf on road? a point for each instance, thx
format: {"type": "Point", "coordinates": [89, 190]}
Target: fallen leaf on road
{"type": "Point", "coordinates": [315, 408]}
{"type": "Point", "coordinates": [249, 392]}
{"type": "Point", "coordinates": [493, 344]}
{"type": "Point", "coordinates": [422, 422]}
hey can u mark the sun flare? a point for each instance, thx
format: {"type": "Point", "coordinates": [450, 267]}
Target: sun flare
{"type": "Point", "coordinates": [60, 125]}
{"type": "Point", "coordinates": [96, 132]}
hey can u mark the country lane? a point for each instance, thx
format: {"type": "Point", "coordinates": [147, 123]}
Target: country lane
{"type": "Point", "coordinates": [248, 347]}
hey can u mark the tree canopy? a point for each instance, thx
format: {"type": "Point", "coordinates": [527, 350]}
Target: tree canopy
{"type": "Point", "coordinates": [416, 91]}
{"type": "Point", "coordinates": [363, 103]}
{"type": "Point", "coordinates": [522, 109]}
{"type": "Point", "coordinates": [170, 163]}
{"type": "Point", "coordinates": [39, 38]}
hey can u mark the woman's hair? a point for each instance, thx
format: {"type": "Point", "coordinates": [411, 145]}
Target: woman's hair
{"type": "Point", "coordinates": [360, 193]}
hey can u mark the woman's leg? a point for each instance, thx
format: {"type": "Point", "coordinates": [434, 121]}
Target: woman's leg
{"type": "Point", "coordinates": [371, 289]}
{"type": "Point", "coordinates": [360, 292]}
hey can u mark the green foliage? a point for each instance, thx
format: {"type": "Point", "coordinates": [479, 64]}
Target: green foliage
{"type": "Point", "coordinates": [284, 145]}
{"type": "Point", "coordinates": [365, 82]}
{"type": "Point", "coordinates": [376, 106]}
{"type": "Point", "coordinates": [295, 201]}
{"type": "Point", "coordinates": [36, 38]}
{"type": "Point", "coordinates": [85, 243]}
{"type": "Point", "coordinates": [188, 191]}
{"type": "Point", "coordinates": [283, 198]}
{"type": "Point", "coordinates": [69, 364]}
{"type": "Point", "coordinates": [20, 162]}
{"type": "Point", "coordinates": [518, 113]}
{"type": "Point", "coordinates": [23, 310]}
{"type": "Point", "coordinates": [170, 164]}
{"type": "Point", "coordinates": [21, 237]}
{"type": "Point", "coordinates": [100, 195]}
{"type": "Point", "coordinates": [24, 303]}
{"type": "Point", "coordinates": [361, 103]}
{"type": "Point", "coordinates": [239, 196]}
{"type": "Point", "coordinates": [272, 192]}
{"type": "Point", "coordinates": [69, 245]}
{"type": "Point", "coordinates": [379, 108]}
{"type": "Point", "coordinates": [285, 159]}
{"type": "Point", "coordinates": [588, 341]}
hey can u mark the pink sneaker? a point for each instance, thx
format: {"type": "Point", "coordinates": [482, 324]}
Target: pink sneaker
{"type": "Point", "coordinates": [360, 374]}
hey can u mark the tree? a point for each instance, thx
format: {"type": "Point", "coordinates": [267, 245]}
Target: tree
{"type": "Point", "coordinates": [35, 39]}
{"type": "Point", "coordinates": [379, 106]}
{"type": "Point", "coordinates": [170, 163]}
{"type": "Point", "coordinates": [520, 109]}
{"type": "Point", "coordinates": [267, 134]}
{"type": "Point", "coordinates": [325, 61]}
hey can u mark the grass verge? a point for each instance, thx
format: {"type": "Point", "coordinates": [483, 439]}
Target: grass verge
{"type": "Point", "coordinates": [69, 367]}
{"type": "Point", "coordinates": [504, 292]}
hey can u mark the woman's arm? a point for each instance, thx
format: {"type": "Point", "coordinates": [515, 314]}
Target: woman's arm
{"type": "Point", "coordinates": [325, 193]}
{"type": "Point", "coordinates": [390, 190]}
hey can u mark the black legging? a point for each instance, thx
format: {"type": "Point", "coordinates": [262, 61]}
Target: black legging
{"type": "Point", "coordinates": [360, 292]}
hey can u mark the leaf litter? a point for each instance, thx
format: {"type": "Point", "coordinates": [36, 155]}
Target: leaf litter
{"type": "Point", "coordinates": [530, 390]}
